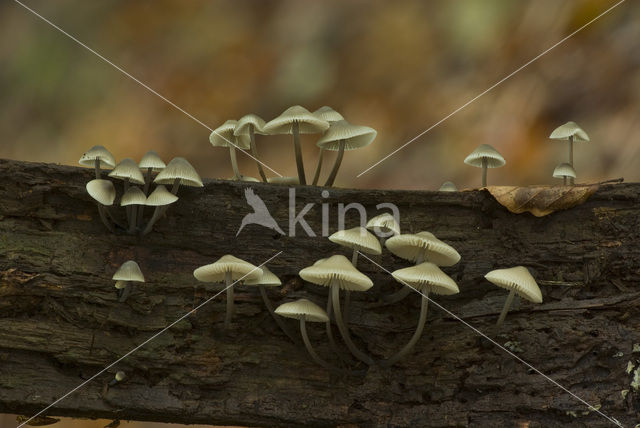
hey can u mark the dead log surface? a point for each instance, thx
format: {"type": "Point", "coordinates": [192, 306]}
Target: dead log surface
{"type": "Point", "coordinates": [57, 297]}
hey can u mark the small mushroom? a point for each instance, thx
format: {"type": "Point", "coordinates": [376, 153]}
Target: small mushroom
{"type": "Point", "coordinates": [330, 115]}
{"type": "Point", "coordinates": [252, 124]}
{"type": "Point", "coordinates": [151, 162]}
{"type": "Point", "coordinates": [228, 269]}
{"type": "Point", "coordinates": [119, 377]}
{"type": "Point", "coordinates": [223, 136]}
{"type": "Point", "coordinates": [448, 186]}
{"type": "Point", "coordinates": [160, 197]}
{"type": "Point", "coordinates": [564, 171]}
{"type": "Point", "coordinates": [384, 225]}
{"type": "Point", "coordinates": [517, 280]}
{"type": "Point", "coordinates": [104, 193]}
{"type": "Point", "coordinates": [128, 272]}
{"type": "Point", "coordinates": [97, 157]}
{"type": "Point", "coordinates": [133, 196]}
{"type": "Point", "coordinates": [127, 170]}
{"type": "Point", "coordinates": [571, 132]}
{"type": "Point", "coordinates": [485, 156]}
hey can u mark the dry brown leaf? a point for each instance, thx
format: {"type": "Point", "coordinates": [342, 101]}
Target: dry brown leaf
{"type": "Point", "coordinates": [541, 200]}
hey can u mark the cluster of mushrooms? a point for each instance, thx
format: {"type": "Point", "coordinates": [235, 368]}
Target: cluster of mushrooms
{"type": "Point", "coordinates": [337, 135]}
{"type": "Point", "coordinates": [151, 168]}
{"type": "Point", "coordinates": [341, 276]}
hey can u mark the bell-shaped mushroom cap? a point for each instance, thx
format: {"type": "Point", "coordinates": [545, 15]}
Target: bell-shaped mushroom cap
{"type": "Point", "coordinates": [485, 151]}
{"type": "Point", "coordinates": [411, 246]}
{"type": "Point", "coordinates": [160, 197]}
{"type": "Point", "coordinates": [308, 123]}
{"type": "Point", "coordinates": [128, 169]}
{"type": "Point", "coordinates": [302, 309]}
{"type": "Point", "coordinates": [133, 196]}
{"type": "Point", "coordinates": [448, 186]}
{"type": "Point", "coordinates": [328, 114]}
{"type": "Point", "coordinates": [268, 279]}
{"type": "Point", "coordinates": [357, 238]}
{"type": "Point", "coordinates": [569, 129]}
{"type": "Point", "coordinates": [223, 136]}
{"type": "Point", "coordinates": [242, 126]}
{"type": "Point", "coordinates": [98, 152]}
{"type": "Point", "coordinates": [336, 271]}
{"type": "Point", "coordinates": [291, 181]}
{"type": "Point", "coordinates": [152, 160]}
{"type": "Point", "coordinates": [129, 271]}
{"type": "Point", "coordinates": [519, 279]}
{"type": "Point", "coordinates": [182, 169]}
{"type": "Point", "coordinates": [216, 272]}
{"type": "Point", "coordinates": [564, 170]}
{"type": "Point", "coordinates": [102, 191]}
{"type": "Point", "coordinates": [354, 136]}
{"type": "Point", "coordinates": [386, 223]}
{"type": "Point", "coordinates": [426, 277]}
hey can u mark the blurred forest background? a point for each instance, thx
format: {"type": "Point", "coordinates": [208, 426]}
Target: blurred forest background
{"type": "Point", "coordinates": [397, 66]}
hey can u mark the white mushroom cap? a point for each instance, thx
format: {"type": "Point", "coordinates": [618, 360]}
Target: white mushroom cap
{"type": "Point", "coordinates": [291, 181]}
{"type": "Point", "coordinates": [519, 279]}
{"type": "Point", "coordinates": [354, 136]}
{"type": "Point", "coordinates": [216, 272]}
{"type": "Point", "coordinates": [448, 186]}
{"type": "Point", "coordinates": [128, 169]}
{"type": "Point", "coordinates": [302, 308]}
{"type": "Point", "coordinates": [386, 223]}
{"type": "Point", "coordinates": [564, 170]}
{"type": "Point", "coordinates": [569, 129]}
{"type": "Point", "coordinates": [242, 126]}
{"type": "Point", "coordinates": [485, 151]}
{"type": "Point", "coordinates": [426, 277]}
{"type": "Point", "coordinates": [152, 160]}
{"type": "Point", "coordinates": [129, 271]}
{"type": "Point", "coordinates": [411, 246]}
{"type": "Point", "coordinates": [357, 238]}
{"type": "Point", "coordinates": [120, 376]}
{"type": "Point", "coordinates": [223, 136]}
{"type": "Point", "coordinates": [133, 196]}
{"type": "Point", "coordinates": [98, 152]}
{"type": "Point", "coordinates": [268, 279]}
{"type": "Point", "coordinates": [160, 196]}
{"type": "Point", "coordinates": [336, 271]}
{"type": "Point", "coordinates": [102, 191]}
{"type": "Point", "coordinates": [328, 114]}
{"type": "Point", "coordinates": [308, 123]}
{"type": "Point", "coordinates": [182, 169]}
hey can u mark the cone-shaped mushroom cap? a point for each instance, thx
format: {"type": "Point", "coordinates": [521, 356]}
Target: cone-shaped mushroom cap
{"type": "Point", "coordinates": [102, 191]}
{"type": "Point", "coordinates": [328, 114]}
{"type": "Point", "coordinates": [182, 169]}
{"type": "Point", "coordinates": [485, 151]}
{"type": "Point", "coordinates": [336, 271]}
{"type": "Point", "coordinates": [302, 308]}
{"type": "Point", "coordinates": [268, 279]}
{"type": "Point", "coordinates": [128, 168]}
{"type": "Point", "coordinates": [354, 136]}
{"type": "Point", "coordinates": [448, 186]}
{"type": "Point", "coordinates": [98, 152]}
{"type": "Point", "coordinates": [308, 123]}
{"type": "Point", "coordinates": [152, 160]}
{"type": "Point", "coordinates": [569, 129]}
{"type": "Point", "coordinates": [385, 223]}
{"type": "Point", "coordinates": [133, 196]}
{"type": "Point", "coordinates": [223, 136]}
{"type": "Point", "coordinates": [564, 170]}
{"type": "Point", "coordinates": [426, 277]}
{"type": "Point", "coordinates": [410, 246]}
{"type": "Point", "coordinates": [160, 196]}
{"type": "Point", "coordinates": [216, 272]}
{"type": "Point", "coordinates": [519, 279]}
{"type": "Point", "coordinates": [242, 126]}
{"type": "Point", "coordinates": [129, 271]}
{"type": "Point", "coordinates": [294, 181]}
{"type": "Point", "coordinates": [357, 238]}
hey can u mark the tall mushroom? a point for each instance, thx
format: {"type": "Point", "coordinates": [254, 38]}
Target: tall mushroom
{"type": "Point", "coordinates": [384, 226]}
{"type": "Point", "coordinates": [227, 269]}
{"type": "Point", "coordinates": [223, 137]}
{"type": "Point", "coordinates": [296, 120]}
{"type": "Point", "coordinates": [151, 162]}
{"type": "Point", "coordinates": [127, 170]}
{"type": "Point", "coordinates": [97, 157]}
{"type": "Point", "coordinates": [104, 193]}
{"type": "Point", "coordinates": [485, 156]}
{"type": "Point", "coordinates": [133, 196]}
{"type": "Point", "coordinates": [250, 125]}
{"type": "Point", "coordinates": [129, 271]}
{"type": "Point", "coordinates": [330, 115]}
{"type": "Point", "coordinates": [571, 132]}
{"type": "Point", "coordinates": [159, 198]}
{"type": "Point", "coordinates": [564, 171]}
{"type": "Point", "coordinates": [517, 280]}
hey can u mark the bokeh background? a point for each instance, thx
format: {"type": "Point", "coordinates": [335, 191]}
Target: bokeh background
{"type": "Point", "coordinates": [397, 66]}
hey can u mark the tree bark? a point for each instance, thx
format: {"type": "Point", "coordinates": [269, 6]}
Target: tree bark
{"type": "Point", "coordinates": [61, 322]}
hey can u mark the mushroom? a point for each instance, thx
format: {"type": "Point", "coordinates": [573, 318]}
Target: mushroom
{"type": "Point", "coordinates": [384, 225]}
{"type": "Point", "coordinates": [517, 280]}
{"type": "Point", "coordinates": [252, 124]}
{"type": "Point", "coordinates": [485, 156]}
{"type": "Point", "coordinates": [129, 271]}
{"type": "Point", "coordinates": [296, 120]}
{"type": "Point", "coordinates": [572, 132]}
{"type": "Point", "coordinates": [223, 136]}
{"type": "Point", "coordinates": [330, 115]}
{"type": "Point", "coordinates": [228, 269]}
{"type": "Point", "coordinates": [448, 186]}
{"type": "Point", "coordinates": [128, 171]}
{"type": "Point", "coordinates": [150, 162]}
{"type": "Point", "coordinates": [160, 197]}
{"type": "Point", "coordinates": [104, 193]}
{"type": "Point", "coordinates": [97, 157]}
{"type": "Point", "coordinates": [133, 196]}
{"type": "Point", "coordinates": [119, 377]}
{"type": "Point", "coordinates": [337, 272]}
{"type": "Point", "coordinates": [425, 278]}
{"type": "Point", "coordinates": [564, 171]}
{"type": "Point", "coordinates": [343, 136]}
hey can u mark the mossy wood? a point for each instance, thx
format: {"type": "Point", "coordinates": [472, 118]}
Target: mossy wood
{"type": "Point", "coordinates": [61, 322]}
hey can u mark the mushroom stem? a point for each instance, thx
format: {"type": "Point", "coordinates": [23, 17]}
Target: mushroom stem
{"type": "Point", "coordinates": [159, 211]}
{"type": "Point", "coordinates": [416, 335]}
{"type": "Point", "coordinates": [505, 309]}
{"type": "Point", "coordinates": [404, 291]}
{"type": "Point", "coordinates": [133, 222]}
{"type": "Point", "coordinates": [335, 296]}
{"type": "Point", "coordinates": [254, 151]}
{"type": "Point", "coordinates": [107, 210]}
{"type": "Point", "coordinates": [229, 285]}
{"type": "Point", "coordinates": [316, 357]}
{"type": "Point", "coordinates": [571, 180]}
{"type": "Point", "coordinates": [234, 162]}
{"type": "Point", "coordinates": [316, 176]}
{"type": "Point", "coordinates": [279, 321]}
{"type": "Point", "coordinates": [336, 165]}
{"type": "Point", "coordinates": [97, 166]}
{"type": "Point", "coordinates": [347, 293]}
{"type": "Point", "coordinates": [123, 293]}
{"type": "Point", "coordinates": [147, 185]}
{"type": "Point", "coordinates": [296, 145]}
{"type": "Point", "coordinates": [484, 172]}
{"type": "Point", "coordinates": [332, 341]}
{"type": "Point", "coordinates": [104, 219]}
{"type": "Point", "coordinates": [564, 180]}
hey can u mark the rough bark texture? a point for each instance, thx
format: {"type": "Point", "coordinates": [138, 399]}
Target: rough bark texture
{"type": "Point", "coordinates": [60, 321]}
